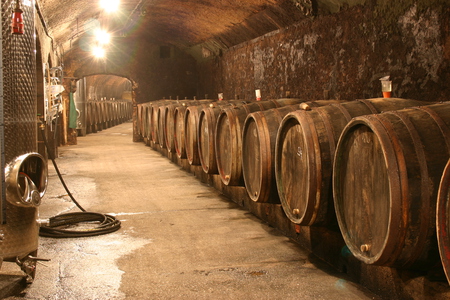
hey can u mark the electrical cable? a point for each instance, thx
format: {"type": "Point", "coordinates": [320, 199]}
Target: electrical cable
{"type": "Point", "coordinates": [58, 225]}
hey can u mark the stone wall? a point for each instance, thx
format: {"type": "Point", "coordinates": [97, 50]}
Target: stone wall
{"type": "Point", "coordinates": [341, 56]}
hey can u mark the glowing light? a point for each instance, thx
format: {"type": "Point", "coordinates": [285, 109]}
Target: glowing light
{"type": "Point", "coordinates": [110, 5]}
{"type": "Point", "coordinates": [98, 52]}
{"type": "Point", "coordinates": [102, 37]}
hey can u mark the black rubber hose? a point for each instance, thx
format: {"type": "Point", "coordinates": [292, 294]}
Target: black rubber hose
{"type": "Point", "coordinates": [106, 224]}
{"type": "Point", "coordinates": [58, 225]}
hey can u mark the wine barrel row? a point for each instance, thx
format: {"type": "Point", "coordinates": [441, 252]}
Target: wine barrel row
{"type": "Point", "coordinates": [304, 153]}
{"type": "Point", "coordinates": [372, 165]}
{"type": "Point", "coordinates": [104, 114]}
{"type": "Point", "coordinates": [258, 149]}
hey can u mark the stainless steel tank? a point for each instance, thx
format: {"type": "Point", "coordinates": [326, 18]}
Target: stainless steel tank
{"type": "Point", "coordinates": [25, 177]}
{"type": "Point", "coordinates": [80, 103]}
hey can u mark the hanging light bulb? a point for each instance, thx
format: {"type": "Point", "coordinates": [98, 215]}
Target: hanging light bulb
{"type": "Point", "coordinates": [17, 20]}
{"type": "Point", "coordinates": [102, 37]}
{"type": "Point", "coordinates": [98, 52]}
{"type": "Point", "coordinates": [110, 6]}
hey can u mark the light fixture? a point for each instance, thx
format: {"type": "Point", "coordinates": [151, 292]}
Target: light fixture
{"type": "Point", "coordinates": [17, 26]}
{"type": "Point", "coordinates": [102, 37]}
{"type": "Point", "coordinates": [109, 5]}
{"type": "Point", "coordinates": [98, 52]}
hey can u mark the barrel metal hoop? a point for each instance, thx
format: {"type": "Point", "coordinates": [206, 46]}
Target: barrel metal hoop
{"type": "Point", "coordinates": [445, 130]}
{"type": "Point", "coordinates": [369, 105]}
{"type": "Point", "coordinates": [330, 132]}
{"type": "Point", "coordinates": [344, 111]}
{"type": "Point", "coordinates": [425, 187]}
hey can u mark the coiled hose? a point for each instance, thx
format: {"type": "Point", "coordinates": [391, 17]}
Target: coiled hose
{"type": "Point", "coordinates": [86, 223]}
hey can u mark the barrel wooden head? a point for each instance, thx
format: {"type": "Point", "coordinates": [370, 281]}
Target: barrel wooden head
{"type": "Point", "coordinates": [191, 133]}
{"type": "Point", "coordinates": [258, 153]}
{"type": "Point", "coordinates": [169, 126]}
{"type": "Point", "coordinates": [161, 118]}
{"type": "Point", "coordinates": [147, 120]}
{"type": "Point", "coordinates": [179, 139]}
{"type": "Point", "coordinates": [228, 146]}
{"type": "Point", "coordinates": [386, 175]}
{"type": "Point", "coordinates": [206, 131]}
{"type": "Point", "coordinates": [154, 123]}
{"type": "Point", "coordinates": [298, 170]}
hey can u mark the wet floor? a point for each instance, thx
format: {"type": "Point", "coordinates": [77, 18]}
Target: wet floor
{"type": "Point", "coordinates": [180, 239]}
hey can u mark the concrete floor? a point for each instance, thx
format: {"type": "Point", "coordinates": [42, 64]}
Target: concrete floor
{"type": "Point", "coordinates": [180, 239]}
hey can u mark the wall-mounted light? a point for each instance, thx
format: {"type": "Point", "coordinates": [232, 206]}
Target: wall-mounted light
{"type": "Point", "coordinates": [110, 5]}
{"type": "Point", "coordinates": [17, 26]}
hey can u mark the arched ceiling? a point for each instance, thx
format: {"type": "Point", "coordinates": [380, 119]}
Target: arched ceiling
{"type": "Point", "coordinates": [214, 24]}
{"type": "Point", "coordinates": [108, 86]}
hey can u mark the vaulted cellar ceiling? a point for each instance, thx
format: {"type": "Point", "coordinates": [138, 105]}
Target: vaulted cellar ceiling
{"type": "Point", "coordinates": [219, 24]}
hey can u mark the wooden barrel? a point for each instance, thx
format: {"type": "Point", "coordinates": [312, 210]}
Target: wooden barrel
{"type": "Point", "coordinates": [161, 120]}
{"type": "Point", "coordinates": [258, 149]}
{"type": "Point", "coordinates": [179, 139]}
{"type": "Point", "coordinates": [160, 113]}
{"type": "Point", "coordinates": [142, 108]}
{"type": "Point", "coordinates": [190, 133]}
{"type": "Point", "coordinates": [443, 220]}
{"type": "Point", "coordinates": [304, 152]}
{"type": "Point", "coordinates": [147, 122]}
{"type": "Point", "coordinates": [169, 126]}
{"type": "Point", "coordinates": [228, 139]}
{"type": "Point", "coordinates": [258, 152]}
{"type": "Point", "coordinates": [205, 131]}
{"type": "Point", "coordinates": [386, 176]}
{"type": "Point", "coordinates": [170, 121]}
{"type": "Point", "coordinates": [155, 122]}
{"type": "Point", "coordinates": [154, 107]}
{"type": "Point", "coordinates": [206, 125]}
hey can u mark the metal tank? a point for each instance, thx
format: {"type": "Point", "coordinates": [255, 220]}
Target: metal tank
{"type": "Point", "coordinates": [80, 104]}
{"type": "Point", "coordinates": [25, 178]}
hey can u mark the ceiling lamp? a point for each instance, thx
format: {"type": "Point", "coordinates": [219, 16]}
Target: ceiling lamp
{"type": "Point", "coordinates": [102, 37]}
{"type": "Point", "coordinates": [98, 52]}
{"type": "Point", "coordinates": [109, 5]}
